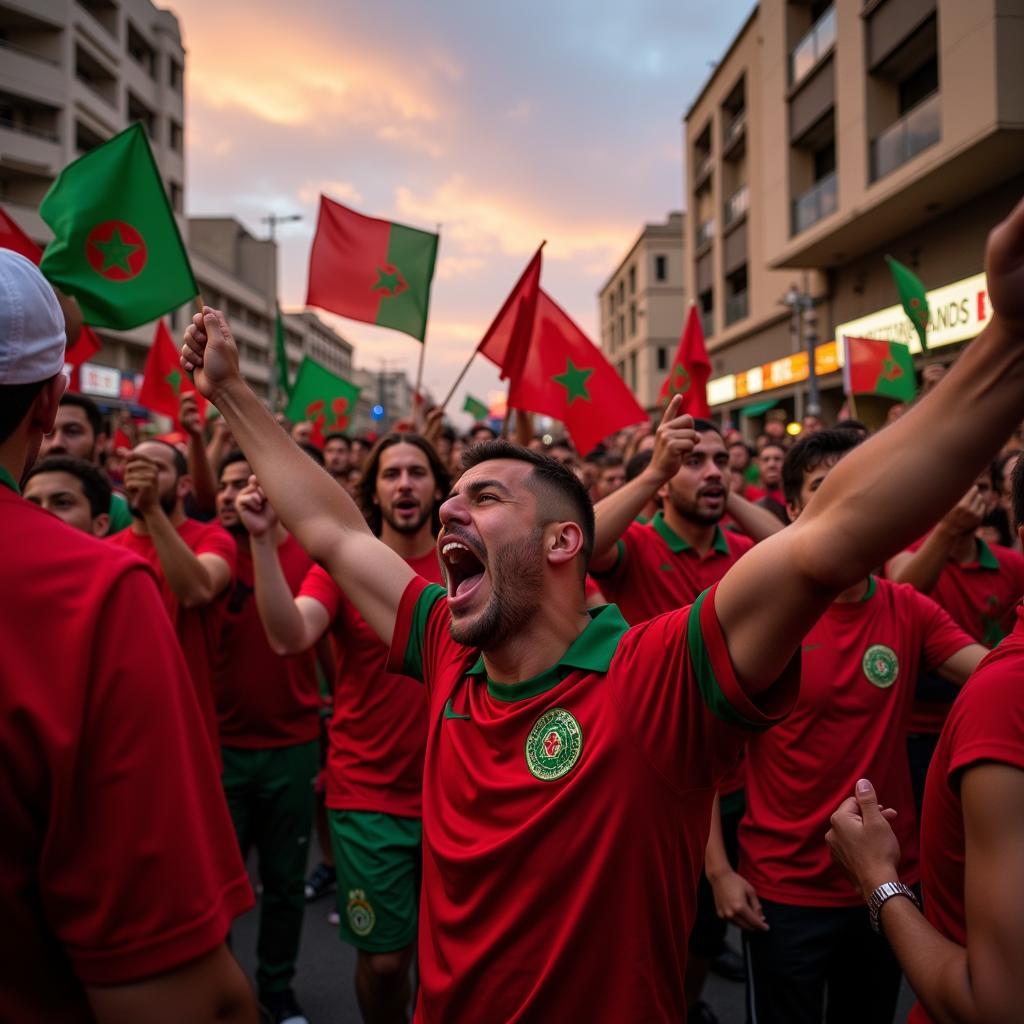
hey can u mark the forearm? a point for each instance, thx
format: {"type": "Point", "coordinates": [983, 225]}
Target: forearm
{"type": "Point", "coordinates": [614, 515]}
{"type": "Point", "coordinates": [282, 620]}
{"type": "Point", "coordinates": [922, 568]}
{"type": "Point", "coordinates": [185, 574]}
{"type": "Point", "coordinates": [204, 486]}
{"type": "Point", "coordinates": [757, 522]}
{"type": "Point", "coordinates": [716, 860]}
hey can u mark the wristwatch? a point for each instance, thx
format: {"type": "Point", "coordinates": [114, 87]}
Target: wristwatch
{"type": "Point", "coordinates": [884, 892]}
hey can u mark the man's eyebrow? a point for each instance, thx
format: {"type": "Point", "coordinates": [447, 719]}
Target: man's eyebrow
{"type": "Point", "coordinates": [481, 485]}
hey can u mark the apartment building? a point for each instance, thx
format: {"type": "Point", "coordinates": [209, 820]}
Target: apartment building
{"type": "Point", "coordinates": [642, 306]}
{"type": "Point", "coordinates": [829, 135]}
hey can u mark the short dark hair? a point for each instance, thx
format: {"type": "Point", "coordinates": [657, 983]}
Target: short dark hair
{"type": "Point", "coordinates": [773, 444]}
{"type": "Point", "coordinates": [95, 485]}
{"type": "Point", "coordinates": [703, 426]}
{"type": "Point", "coordinates": [556, 480]}
{"type": "Point", "coordinates": [367, 487]}
{"type": "Point", "coordinates": [611, 460]}
{"type": "Point", "coordinates": [88, 406]}
{"type": "Point", "coordinates": [638, 463]}
{"type": "Point", "coordinates": [180, 462]}
{"type": "Point", "coordinates": [337, 435]}
{"type": "Point", "coordinates": [809, 452]}
{"type": "Point", "coordinates": [312, 451]}
{"type": "Point", "coordinates": [1017, 492]}
{"type": "Point", "coordinates": [852, 424]}
{"type": "Point", "coordinates": [233, 456]}
{"type": "Point", "coordinates": [15, 402]}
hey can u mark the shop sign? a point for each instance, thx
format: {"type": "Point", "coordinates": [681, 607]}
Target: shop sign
{"type": "Point", "coordinates": [99, 380]}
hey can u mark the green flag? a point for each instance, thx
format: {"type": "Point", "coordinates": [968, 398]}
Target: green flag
{"type": "Point", "coordinates": [475, 408]}
{"type": "Point", "coordinates": [913, 297]}
{"type": "Point", "coordinates": [281, 356]}
{"type": "Point", "coordinates": [326, 400]}
{"type": "Point", "coordinates": [117, 248]}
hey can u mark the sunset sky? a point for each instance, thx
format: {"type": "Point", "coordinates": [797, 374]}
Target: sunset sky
{"type": "Point", "coordinates": [504, 123]}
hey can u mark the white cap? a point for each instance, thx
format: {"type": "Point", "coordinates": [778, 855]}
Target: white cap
{"type": "Point", "coordinates": [31, 323]}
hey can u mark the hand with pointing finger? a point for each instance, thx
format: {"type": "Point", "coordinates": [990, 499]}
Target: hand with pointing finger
{"type": "Point", "coordinates": [674, 439]}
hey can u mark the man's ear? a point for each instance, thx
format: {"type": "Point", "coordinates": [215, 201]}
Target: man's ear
{"type": "Point", "coordinates": [184, 485]}
{"type": "Point", "coordinates": [793, 510]}
{"type": "Point", "coordinates": [43, 413]}
{"type": "Point", "coordinates": [100, 524]}
{"type": "Point", "coordinates": [563, 542]}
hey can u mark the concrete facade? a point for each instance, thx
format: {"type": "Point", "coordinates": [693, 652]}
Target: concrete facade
{"type": "Point", "coordinates": [642, 306]}
{"type": "Point", "coordinates": [893, 126]}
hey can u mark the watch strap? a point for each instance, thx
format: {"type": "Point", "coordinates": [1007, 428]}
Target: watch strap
{"type": "Point", "coordinates": [885, 892]}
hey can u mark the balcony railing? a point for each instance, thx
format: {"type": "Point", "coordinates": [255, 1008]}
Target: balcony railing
{"type": "Point", "coordinates": [736, 206]}
{"type": "Point", "coordinates": [705, 232]}
{"type": "Point", "coordinates": [43, 134]}
{"type": "Point", "coordinates": [735, 128]}
{"type": "Point", "coordinates": [918, 129]}
{"type": "Point", "coordinates": [702, 170]}
{"type": "Point", "coordinates": [25, 52]}
{"type": "Point", "coordinates": [815, 203]}
{"type": "Point", "coordinates": [736, 307]}
{"type": "Point", "coordinates": [813, 47]}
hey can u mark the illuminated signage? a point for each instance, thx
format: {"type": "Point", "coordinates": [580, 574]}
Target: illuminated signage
{"type": "Point", "coordinates": [99, 380]}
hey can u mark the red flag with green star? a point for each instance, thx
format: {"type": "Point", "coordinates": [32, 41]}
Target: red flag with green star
{"type": "Point", "coordinates": [564, 375]}
{"type": "Point", "coordinates": [323, 398]}
{"type": "Point", "coordinates": [163, 379]}
{"type": "Point", "coordinates": [688, 375]}
{"type": "Point", "coordinates": [371, 270]}
{"type": "Point", "coordinates": [873, 367]}
{"type": "Point", "coordinates": [116, 246]}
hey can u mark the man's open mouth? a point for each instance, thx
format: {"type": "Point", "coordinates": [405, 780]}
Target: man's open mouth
{"type": "Point", "coordinates": [463, 570]}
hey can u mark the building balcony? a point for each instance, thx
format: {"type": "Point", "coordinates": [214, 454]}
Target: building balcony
{"type": "Point", "coordinates": [707, 323]}
{"type": "Point", "coordinates": [702, 172]}
{"type": "Point", "coordinates": [29, 147]}
{"type": "Point", "coordinates": [817, 202]}
{"type": "Point", "coordinates": [736, 307]}
{"type": "Point", "coordinates": [735, 133]}
{"type": "Point", "coordinates": [806, 54]}
{"type": "Point", "coordinates": [705, 232]}
{"type": "Point", "coordinates": [913, 133]}
{"type": "Point", "coordinates": [736, 206]}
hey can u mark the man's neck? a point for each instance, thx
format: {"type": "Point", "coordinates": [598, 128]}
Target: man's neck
{"type": "Point", "coordinates": [540, 644]}
{"type": "Point", "coordinates": [853, 594]}
{"type": "Point", "coordinates": [409, 545]}
{"type": "Point", "coordinates": [13, 455]}
{"type": "Point", "coordinates": [177, 517]}
{"type": "Point", "coordinates": [700, 536]}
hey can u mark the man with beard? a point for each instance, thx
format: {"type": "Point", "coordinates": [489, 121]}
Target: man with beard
{"type": "Point", "coordinates": [337, 455]}
{"type": "Point", "coordinates": [571, 761]}
{"type": "Point", "coordinates": [268, 712]}
{"type": "Point", "coordinates": [74, 490]}
{"type": "Point", "coordinates": [378, 730]}
{"type": "Point", "coordinates": [194, 562]}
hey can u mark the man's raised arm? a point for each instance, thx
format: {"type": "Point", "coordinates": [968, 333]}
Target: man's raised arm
{"type": "Point", "coordinates": [321, 516]}
{"type": "Point", "coordinates": [887, 492]}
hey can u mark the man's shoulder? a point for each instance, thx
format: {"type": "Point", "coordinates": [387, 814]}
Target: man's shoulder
{"type": "Point", "coordinates": [195, 532]}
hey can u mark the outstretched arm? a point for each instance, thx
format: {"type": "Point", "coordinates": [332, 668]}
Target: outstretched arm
{"type": "Point", "coordinates": [888, 491]}
{"type": "Point", "coordinates": [320, 515]}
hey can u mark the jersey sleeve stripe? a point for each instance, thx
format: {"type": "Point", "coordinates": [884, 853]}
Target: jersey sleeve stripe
{"type": "Point", "coordinates": [407, 642]}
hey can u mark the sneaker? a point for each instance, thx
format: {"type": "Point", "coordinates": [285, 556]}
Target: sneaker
{"type": "Point", "coordinates": [701, 1013]}
{"type": "Point", "coordinates": [322, 881]}
{"type": "Point", "coordinates": [334, 918]}
{"type": "Point", "coordinates": [281, 1008]}
{"type": "Point", "coordinates": [729, 965]}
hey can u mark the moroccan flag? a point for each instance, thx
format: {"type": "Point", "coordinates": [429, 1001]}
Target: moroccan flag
{"type": "Point", "coordinates": [12, 237]}
{"type": "Point", "coordinates": [371, 270]}
{"type": "Point", "coordinates": [117, 248]}
{"type": "Point", "coordinates": [475, 408]}
{"type": "Point", "coordinates": [84, 347]}
{"type": "Point", "coordinates": [281, 357]}
{"type": "Point", "coordinates": [688, 375]}
{"type": "Point", "coordinates": [326, 400]}
{"type": "Point", "coordinates": [508, 338]}
{"type": "Point", "coordinates": [122, 440]}
{"type": "Point", "coordinates": [163, 379]}
{"type": "Point", "coordinates": [564, 375]}
{"type": "Point", "coordinates": [913, 297]}
{"type": "Point", "coordinates": [873, 367]}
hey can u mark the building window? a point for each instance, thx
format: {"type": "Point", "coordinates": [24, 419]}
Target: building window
{"type": "Point", "coordinates": [622, 292]}
{"type": "Point", "coordinates": [736, 295]}
{"type": "Point", "coordinates": [176, 195]}
{"type": "Point", "coordinates": [632, 280]}
{"type": "Point", "coordinates": [632, 370]}
{"type": "Point", "coordinates": [660, 268]}
{"type": "Point", "coordinates": [611, 303]}
{"type": "Point", "coordinates": [141, 52]}
{"type": "Point", "coordinates": [706, 309]}
{"type": "Point", "coordinates": [622, 328]}
{"type": "Point", "coordinates": [174, 75]}
{"type": "Point", "coordinates": [662, 358]}
{"type": "Point", "coordinates": [632, 319]}
{"type": "Point", "coordinates": [174, 136]}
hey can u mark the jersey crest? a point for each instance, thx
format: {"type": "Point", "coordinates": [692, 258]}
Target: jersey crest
{"type": "Point", "coordinates": [359, 910]}
{"type": "Point", "coordinates": [881, 666]}
{"type": "Point", "coordinates": [554, 745]}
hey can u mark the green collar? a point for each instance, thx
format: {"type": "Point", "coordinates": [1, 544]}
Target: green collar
{"type": "Point", "coordinates": [8, 481]}
{"type": "Point", "coordinates": [591, 651]}
{"type": "Point", "coordinates": [676, 544]}
{"type": "Point", "coordinates": [986, 560]}
{"type": "Point", "coordinates": [870, 592]}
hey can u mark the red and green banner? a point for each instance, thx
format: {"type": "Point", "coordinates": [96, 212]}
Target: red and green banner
{"type": "Point", "coordinates": [163, 379]}
{"type": "Point", "coordinates": [913, 297]}
{"type": "Point", "coordinates": [873, 367]}
{"type": "Point", "coordinates": [371, 270]}
{"type": "Point", "coordinates": [117, 248]}
{"type": "Point", "coordinates": [477, 409]}
{"type": "Point", "coordinates": [690, 370]}
{"type": "Point", "coordinates": [564, 375]}
{"type": "Point", "coordinates": [507, 339]}
{"type": "Point", "coordinates": [323, 398]}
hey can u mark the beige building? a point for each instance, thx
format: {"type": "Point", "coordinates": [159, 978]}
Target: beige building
{"type": "Point", "coordinates": [829, 135]}
{"type": "Point", "coordinates": [642, 306]}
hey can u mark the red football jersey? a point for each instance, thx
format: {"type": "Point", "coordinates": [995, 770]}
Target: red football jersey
{"type": "Point", "coordinates": [980, 597]}
{"type": "Point", "coordinates": [558, 808]}
{"type": "Point", "coordinates": [118, 859]}
{"type": "Point", "coordinates": [263, 700]}
{"type": "Point", "coordinates": [197, 628]}
{"type": "Point", "coordinates": [657, 570]}
{"type": "Point", "coordinates": [378, 731]}
{"type": "Point", "coordinates": [860, 667]}
{"type": "Point", "coordinates": [986, 724]}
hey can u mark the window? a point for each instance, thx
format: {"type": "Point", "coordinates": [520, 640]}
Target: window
{"type": "Point", "coordinates": [919, 86]}
{"type": "Point", "coordinates": [632, 370]}
{"type": "Point", "coordinates": [662, 358]}
{"type": "Point", "coordinates": [622, 292]}
{"type": "Point", "coordinates": [176, 195]}
{"type": "Point", "coordinates": [174, 75]}
{"type": "Point", "coordinates": [632, 280]}
{"type": "Point", "coordinates": [174, 134]}
{"type": "Point", "coordinates": [660, 268]}
{"type": "Point", "coordinates": [622, 328]}
{"type": "Point", "coordinates": [632, 319]}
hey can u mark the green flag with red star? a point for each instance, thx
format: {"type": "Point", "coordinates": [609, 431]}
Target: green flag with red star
{"type": "Point", "coordinates": [477, 409]}
{"type": "Point", "coordinates": [690, 369]}
{"type": "Point", "coordinates": [873, 367]}
{"type": "Point", "coordinates": [323, 398]}
{"type": "Point", "coordinates": [371, 270]}
{"type": "Point", "coordinates": [913, 297]}
{"type": "Point", "coordinates": [564, 375]}
{"type": "Point", "coordinates": [163, 379]}
{"type": "Point", "coordinates": [116, 246]}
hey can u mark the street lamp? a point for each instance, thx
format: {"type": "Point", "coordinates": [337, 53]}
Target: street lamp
{"type": "Point", "coordinates": [801, 305]}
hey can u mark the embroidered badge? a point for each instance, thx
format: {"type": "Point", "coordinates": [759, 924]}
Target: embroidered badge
{"type": "Point", "coordinates": [554, 745]}
{"type": "Point", "coordinates": [881, 666]}
{"type": "Point", "coordinates": [359, 910]}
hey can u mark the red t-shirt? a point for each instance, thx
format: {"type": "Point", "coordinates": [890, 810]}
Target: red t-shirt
{"type": "Point", "coordinates": [197, 628]}
{"type": "Point", "coordinates": [378, 730]}
{"type": "Point", "coordinates": [860, 666]}
{"type": "Point", "coordinates": [986, 724]}
{"type": "Point", "coordinates": [980, 597]}
{"type": "Point", "coordinates": [118, 860]}
{"type": "Point", "coordinates": [565, 817]}
{"type": "Point", "coordinates": [657, 570]}
{"type": "Point", "coordinates": [263, 700]}
{"type": "Point", "coordinates": [754, 493]}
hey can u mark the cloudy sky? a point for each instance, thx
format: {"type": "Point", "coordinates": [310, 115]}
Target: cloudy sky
{"type": "Point", "coordinates": [505, 123]}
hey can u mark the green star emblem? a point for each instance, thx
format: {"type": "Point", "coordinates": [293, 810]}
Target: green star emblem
{"type": "Point", "coordinates": [680, 379]}
{"type": "Point", "coordinates": [174, 379]}
{"type": "Point", "coordinates": [891, 369]}
{"type": "Point", "coordinates": [387, 281]}
{"type": "Point", "coordinates": [116, 252]}
{"type": "Point", "coordinates": [574, 380]}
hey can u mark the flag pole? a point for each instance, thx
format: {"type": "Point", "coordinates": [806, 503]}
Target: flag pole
{"type": "Point", "coordinates": [417, 397]}
{"type": "Point", "coordinates": [458, 380]}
